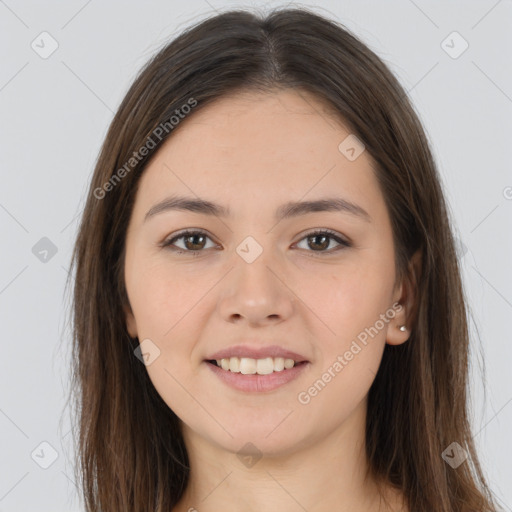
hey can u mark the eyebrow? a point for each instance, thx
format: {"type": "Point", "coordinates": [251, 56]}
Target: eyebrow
{"type": "Point", "coordinates": [285, 211]}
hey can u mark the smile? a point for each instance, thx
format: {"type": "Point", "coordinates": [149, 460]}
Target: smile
{"type": "Point", "coordinates": [250, 366]}
{"type": "Point", "coordinates": [256, 375]}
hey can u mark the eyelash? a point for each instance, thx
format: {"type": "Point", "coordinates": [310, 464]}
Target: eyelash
{"type": "Point", "coordinates": [331, 234]}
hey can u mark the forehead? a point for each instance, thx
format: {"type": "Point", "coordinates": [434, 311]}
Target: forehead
{"type": "Point", "coordinates": [254, 146]}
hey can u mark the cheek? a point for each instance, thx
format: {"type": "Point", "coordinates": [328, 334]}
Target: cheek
{"type": "Point", "coordinates": [168, 304]}
{"type": "Point", "coordinates": [162, 297]}
{"type": "Point", "coordinates": [348, 299]}
{"type": "Point", "coordinates": [351, 305]}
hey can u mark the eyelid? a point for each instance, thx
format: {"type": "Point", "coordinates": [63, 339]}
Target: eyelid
{"type": "Point", "coordinates": [341, 240]}
{"type": "Point", "coordinates": [180, 234]}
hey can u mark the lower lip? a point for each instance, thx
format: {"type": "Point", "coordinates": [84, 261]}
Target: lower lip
{"type": "Point", "coordinates": [255, 382]}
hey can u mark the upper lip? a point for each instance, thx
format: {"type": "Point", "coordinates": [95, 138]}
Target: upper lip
{"type": "Point", "coordinates": [257, 353]}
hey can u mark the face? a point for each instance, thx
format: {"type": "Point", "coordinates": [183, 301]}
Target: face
{"type": "Point", "coordinates": [319, 283]}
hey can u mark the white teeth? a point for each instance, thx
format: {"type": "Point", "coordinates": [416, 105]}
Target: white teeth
{"type": "Point", "coordinates": [279, 364]}
{"type": "Point", "coordinates": [249, 366]}
{"type": "Point", "coordinates": [264, 366]}
{"type": "Point", "coordinates": [234, 365]}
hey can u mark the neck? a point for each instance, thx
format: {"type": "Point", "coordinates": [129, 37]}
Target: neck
{"type": "Point", "coordinates": [326, 474]}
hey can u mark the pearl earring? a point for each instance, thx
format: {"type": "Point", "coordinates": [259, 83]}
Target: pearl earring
{"type": "Point", "coordinates": [403, 328]}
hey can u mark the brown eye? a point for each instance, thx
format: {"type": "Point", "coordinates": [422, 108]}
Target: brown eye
{"type": "Point", "coordinates": [193, 241]}
{"type": "Point", "coordinates": [319, 241]}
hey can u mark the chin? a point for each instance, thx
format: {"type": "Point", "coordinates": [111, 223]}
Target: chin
{"type": "Point", "coordinates": [262, 440]}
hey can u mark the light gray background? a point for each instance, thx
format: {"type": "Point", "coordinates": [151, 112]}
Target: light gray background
{"type": "Point", "coordinates": [54, 115]}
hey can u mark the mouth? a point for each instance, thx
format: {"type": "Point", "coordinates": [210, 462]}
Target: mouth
{"type": "Point", "coordinates": [250, 366]}
{"type": "Point", "coordinates": [257, 375]}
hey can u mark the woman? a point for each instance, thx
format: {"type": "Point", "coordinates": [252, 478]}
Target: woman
{"type": "Point", "coordinates": [268, 310]}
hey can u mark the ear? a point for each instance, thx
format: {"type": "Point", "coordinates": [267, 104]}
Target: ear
{"type": "Point", "coordinates": [131, 325]}
{"type": "Point", "coordinates": [406, 295]}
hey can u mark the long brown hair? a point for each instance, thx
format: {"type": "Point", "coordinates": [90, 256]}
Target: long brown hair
{"type": "Point", "coordinates": [130, 452]}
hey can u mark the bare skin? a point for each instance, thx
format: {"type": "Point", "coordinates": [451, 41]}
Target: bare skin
{"type": "Point", "coordinates": [252, 153]}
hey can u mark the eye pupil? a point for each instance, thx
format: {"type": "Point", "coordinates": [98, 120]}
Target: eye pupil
{"type": "Point", "coordinates": [194, 242]}
{"type": "Point", "coordinates": [193, 236]}
{"type": "Point", "coordinates": [323, 244]}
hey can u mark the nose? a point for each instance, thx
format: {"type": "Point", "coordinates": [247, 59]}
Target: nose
{"type": "Point", "coordinates": [256, 293]}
